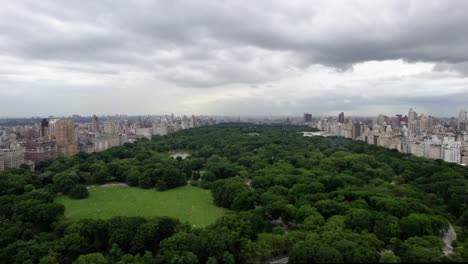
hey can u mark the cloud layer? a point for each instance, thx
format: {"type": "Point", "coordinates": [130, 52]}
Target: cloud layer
{"type": "Point", "coordinates": [232, 57]}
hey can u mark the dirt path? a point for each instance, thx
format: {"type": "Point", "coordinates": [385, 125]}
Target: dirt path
{"type": "Point", "coordinates": [113, 184]}
{"type": "Point", "coordinates": [448, 237]}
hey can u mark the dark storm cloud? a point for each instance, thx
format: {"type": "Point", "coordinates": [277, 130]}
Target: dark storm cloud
{"type": "Point", "coordinates": [198, 33]}
{"type": "Point", "coordinates": [461, 68]}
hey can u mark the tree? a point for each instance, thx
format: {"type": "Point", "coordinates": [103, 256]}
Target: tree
{"type": "Point", "coordinates": [358, 220]}
{"type": "Point", "coordinates": [133, 176]}
{"type": "Point", "coordinates": [93, 258]}
{"type": "Point", "coordinates": [79, 192]}
{"type": "Point", "coordinates": [173, 178]}
{"type": "Point", "coordinates": [220, 167]}
{"type": "Point", "coordinates": [326, 254]}
{"type": "Point", "coordinates": [387, 227]}
{"type": "Point", "coordinates": [234, 194]}
{"type": "Point", "coordinates": [149, 234]}
{"type": "Point", "coordinates": [389, 257]}
{"type": "Point", "coordinates": [329, 208]}
{"type": "Point", "coordinates": [122, 230]}
{"type": "Point", "coordinates": [99, 172]}
{"type": "Point", "coordinates": [422, 249]}
{"type": "Point", "coordinates": [312, 252]}
{"type": "Point", "coordinates": [50, 258]}
{"type": "Point", "coordinates": [65, 181]}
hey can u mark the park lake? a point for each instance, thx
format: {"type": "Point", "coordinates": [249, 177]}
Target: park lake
{"type": "Point", "coordinates": [179, 153]}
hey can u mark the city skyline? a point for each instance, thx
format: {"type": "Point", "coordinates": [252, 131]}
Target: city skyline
{"type": "Point", "coordinates": [300, 115]}
{"type": "Point", "coordinates": [277, 58]}
{"type": "Point", "coordinates": [30, 141]}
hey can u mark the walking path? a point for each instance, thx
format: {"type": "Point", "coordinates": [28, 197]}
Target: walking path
{"type": "Point", "coordinates": [448, 237]}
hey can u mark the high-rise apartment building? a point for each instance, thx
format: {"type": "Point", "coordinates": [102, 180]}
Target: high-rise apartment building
{"type": "Point", "coordinates": [11, 158]}
{"type": "Point", "coordinates": [462, 121]}
{"type": "Point", "coordinates": [451, 150]}
{"type": "Point", "coordinates": [464, 155]}
{"type": "Point", "coordinates": [307, 117]}
{"type": "Point", "coordinates": [95, 124]}
{"type": "Point", "coordinates": [40, 150]}
{"type": "Point", "coordinates": [111, 132]}
{"type": "Point", "coordinates": [341, 118]}
{"type": "Point", "coordinates": [422, 123]}
{"type": "Point", "coordinates": [44, 130]}
{"type": "Point", "coordinates": [357, 130]}
{"type": "Point", "coordinates": [110, 127]}
{"type": "Point", "coordinates": [412, 120]}
{"type": "Point", "coordinates": [63, 132]}
{"type": "Point", "coordinates": [381, 119]}
{"type": "Point", "coordinates": [2, 163]}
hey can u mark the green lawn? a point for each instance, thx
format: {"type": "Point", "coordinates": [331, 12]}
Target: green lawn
{"type": "Point", "coordinates": [188, 203]}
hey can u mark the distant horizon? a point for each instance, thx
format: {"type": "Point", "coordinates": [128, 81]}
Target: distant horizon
{"type": "Point", "coordinates": [218, 115]}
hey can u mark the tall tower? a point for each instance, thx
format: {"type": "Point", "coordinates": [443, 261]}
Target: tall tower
{"type": "Point", "coordinates": [63, 132]}
{"type": "Point", "coordinates": [95, 125]}
{"type": "Point", "coordinates": [307, 117]}
{"type": "Point", "coordinates": [422, 123]}
{"type": "Point", "coordinates": [341, 118]}
{"type": "Point", "coordinates": [462, 121]}
{"type": "Point", "coordinates": [412, 120]}
{"type": "Point", "coordinates": [44, 131]}
{"type": "Point", "coordinates": [110, 126]}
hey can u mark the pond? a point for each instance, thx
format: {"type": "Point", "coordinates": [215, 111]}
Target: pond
{"type": "Point", "coordinates": [180, 153]}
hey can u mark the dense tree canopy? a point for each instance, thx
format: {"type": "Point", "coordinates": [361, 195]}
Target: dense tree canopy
{"type": "Point", "coordinates": [312, 199]}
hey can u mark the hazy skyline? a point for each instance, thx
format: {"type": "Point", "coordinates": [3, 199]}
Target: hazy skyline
{"type": "Point", "coordinates": [233, 57]}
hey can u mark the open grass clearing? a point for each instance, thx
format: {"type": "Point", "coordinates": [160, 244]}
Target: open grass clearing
{"type": "Point", "coordinates": [188, 204]}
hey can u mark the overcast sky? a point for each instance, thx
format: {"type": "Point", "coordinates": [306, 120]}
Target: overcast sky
{"type": "Point", "coordinates": [233, 57]}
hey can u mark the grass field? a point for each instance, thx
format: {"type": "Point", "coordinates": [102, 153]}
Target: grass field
{"type": "Point", "coordinates": [188, 203]}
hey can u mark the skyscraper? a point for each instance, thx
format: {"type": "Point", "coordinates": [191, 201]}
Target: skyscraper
{"type": "Point", "coordinates": [412, 120]}
{"type": "Point", "coordinates": [110, 127]}
{"type": "Point", "coordinates": [341, 118]}
{"type": "Point", "coordinates": [357, 130]}
{"type": "Point", "coordinates": [462, 121]}
{"type": "Point", "coordinates": [44, 131]}
{"type": "Point", "coordinates": [2, 163]}
{"type": "Point", "coordinates": [307, 117]}
{"type": "Point", "coordinates": [422, 123]}
{"type": "Point", "coordinates": [111, 131]}
{"type": "Point", "coordinates": [63, 132]}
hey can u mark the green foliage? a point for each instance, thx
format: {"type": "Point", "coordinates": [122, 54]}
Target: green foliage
{"type": "Point", "coordinates": [313, 199]}
{"type": "Point", "coordinates": [389, 258]}
{"type": "Point", "coordinates": [65, 181]}
{"type": "Point", "coordinates": [359, 220]}
{"type": "Point", "coordinates": [234, 194]}
{"type": "Point", "coordinates": [93, 258]}
{"type": "Point", "coordinates": [79, 192]}
{"type": "Point", "coordinates": [421, 224]}
{"type": "Point", "coordinates": [421, 249]}
{"type": "Point", "coordinates": [312, 252]}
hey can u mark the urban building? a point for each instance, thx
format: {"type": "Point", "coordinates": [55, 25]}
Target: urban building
{"type": "Point", "coordinates": [341, 118]}
{"type": "Point", "coordinates": [462, 121]}
{"type": "Point", "coordinates": [11, 158]}
{"type": "Point", "coordinates": [412, 120]}
{"type": "Point", "coordinates": [40, 150]}
{"type": "Point", "coordinates": [63, 132]}
{"type": "Point", "coordinates": [423, 136]}
{"type": "Point", "coordinates": [44, 130]}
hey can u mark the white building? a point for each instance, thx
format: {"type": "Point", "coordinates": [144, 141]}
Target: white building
{"type": "Point", "coordinates": [11, 158]}
{"type": "Point", "coordinates": [451, 150]}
